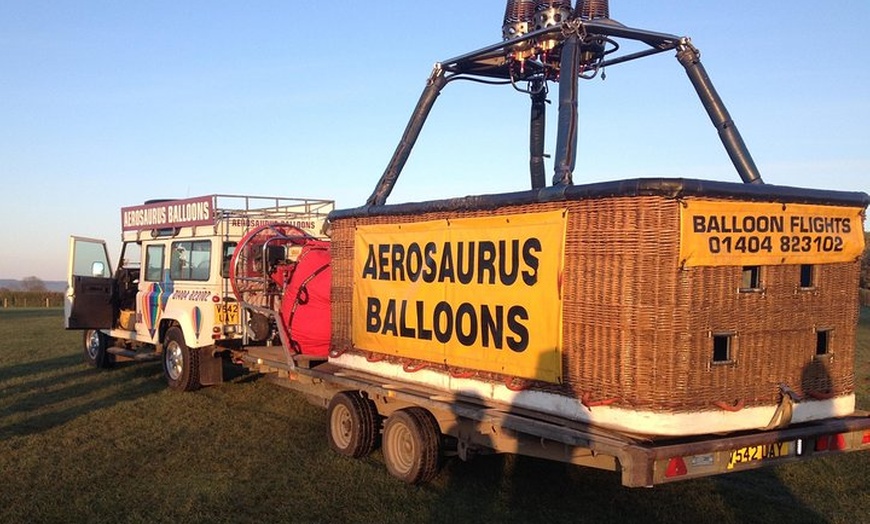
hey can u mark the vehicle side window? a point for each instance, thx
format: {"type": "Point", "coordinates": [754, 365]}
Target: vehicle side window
{"type": "Point", "coordinates": [190, 260]}
{"type": "Point", "coordinates": [131, 256]}
{"type": "Point", "coordinates": [154, 263]}
{"type": "Point", "coordinates": [229, 247]}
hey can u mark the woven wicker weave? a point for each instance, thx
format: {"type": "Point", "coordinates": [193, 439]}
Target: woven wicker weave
{"type": "Point", "coordinates": [638, 329]}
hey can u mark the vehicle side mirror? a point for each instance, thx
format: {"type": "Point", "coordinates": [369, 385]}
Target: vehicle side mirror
{"type": "Point", "coordinates": [97, 269]}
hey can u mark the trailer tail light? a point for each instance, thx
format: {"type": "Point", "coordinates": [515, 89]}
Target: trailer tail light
{"type": "Point", "coordinates": [832, 442]}
{"type": "Point", "coordinates": [866, 438]}
{"type": "Point", "coordinates": [822, 443]}
{"type": "Point", "coordinates": [676, 467]}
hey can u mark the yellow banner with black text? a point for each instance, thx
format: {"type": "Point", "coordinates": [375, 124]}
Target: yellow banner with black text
{"type": "Point", "coordinates": [729, 233]}
{"type": "Point", "coordinates": [476, 293]}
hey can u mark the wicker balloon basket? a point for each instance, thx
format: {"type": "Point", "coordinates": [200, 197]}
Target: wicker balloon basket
{"type": "Point", "coordinates": [644, 328]}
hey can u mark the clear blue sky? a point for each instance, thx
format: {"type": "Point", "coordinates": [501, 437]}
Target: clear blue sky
{"type": "Point", "coordinates": [106, 104]}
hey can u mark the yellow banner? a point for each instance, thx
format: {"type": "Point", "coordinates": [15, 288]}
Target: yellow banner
{"type": "Point", "coordinates": [728, 233]}
{"type": "Point", "coordinates": [479, 293]}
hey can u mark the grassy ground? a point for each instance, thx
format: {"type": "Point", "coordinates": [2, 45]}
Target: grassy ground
{"type": "Point", "coordinates": [81, 445]}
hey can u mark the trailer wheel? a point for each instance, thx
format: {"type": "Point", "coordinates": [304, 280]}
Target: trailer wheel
{"type": "Point", "coordinates": [96, 346]}
{"type": "Point", "coordinates": [353, 424]}
{"type": "Point", "coordinates": [412, 445]}
{"type": "Point", "coordinates": [180, 363]}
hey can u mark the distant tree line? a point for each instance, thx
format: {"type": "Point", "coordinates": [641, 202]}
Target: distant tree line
{"type": "Point", "coordinates": [30, 292]}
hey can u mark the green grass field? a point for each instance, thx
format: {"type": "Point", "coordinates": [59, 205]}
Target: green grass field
{"type": "Point", "coordinates": [81, 445]}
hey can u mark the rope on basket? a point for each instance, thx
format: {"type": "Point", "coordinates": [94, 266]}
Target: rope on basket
{"type": "Point", "coordinates": [515, 383]}
{"type": "Point", "coordinates": [586, 400]}
{"type": "Point", "coordinates": [461, 373]}
{"type": "Point", "coordinates": [733, 408]}
{"type": "Point", "coordinates": [413, 366]}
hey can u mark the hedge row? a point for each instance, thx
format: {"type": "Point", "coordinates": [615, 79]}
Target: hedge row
{"type": "Point", "coordinates": [30, 299]}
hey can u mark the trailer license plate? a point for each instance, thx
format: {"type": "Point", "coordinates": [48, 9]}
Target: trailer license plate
{"type": "Point", "coordinates": [758, 453]}
{"type": "Point", "coordinates": [226, 313]}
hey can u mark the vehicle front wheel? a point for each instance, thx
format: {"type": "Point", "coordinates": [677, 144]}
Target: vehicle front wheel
{"type": "Point", "coordinates": [180, 363]}
{"type": "Point", "coordinates": [412, 445]}
{"type": "Point", "coordinates": [96, 346]}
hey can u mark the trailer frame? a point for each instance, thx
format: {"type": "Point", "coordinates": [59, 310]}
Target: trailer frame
{"type": "Point", "coordinates": [472, 426]}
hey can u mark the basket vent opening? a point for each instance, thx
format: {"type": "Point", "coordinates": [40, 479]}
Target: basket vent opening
{"type": "Point", "coordinates": [722, 348]}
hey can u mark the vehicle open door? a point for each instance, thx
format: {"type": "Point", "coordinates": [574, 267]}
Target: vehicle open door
{"type": "Point", "coordinates": [88, 301]}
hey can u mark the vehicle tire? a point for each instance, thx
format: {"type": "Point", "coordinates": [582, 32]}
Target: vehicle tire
{"type": "Point", "coordinates": [96, 345]}
{"type": "Point", "coordinates": [353, 424]}
{"type": "Point", "coordinates": [180, 363]}
{"type": "Point", "coordinates": [412, 445]}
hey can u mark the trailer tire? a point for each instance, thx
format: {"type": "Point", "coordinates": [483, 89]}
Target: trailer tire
{"type": "Point", "coordinates": [96, 345]}
{"type": "Point", "coordinates": [180, 363]}
{"type": "Point", "coordinates": [412, 445]}
{"type": "Point", "coordinates": [353, 424]}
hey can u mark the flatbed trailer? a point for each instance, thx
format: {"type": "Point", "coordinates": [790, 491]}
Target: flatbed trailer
{"type": "Point", "coordinates": [473, 426]}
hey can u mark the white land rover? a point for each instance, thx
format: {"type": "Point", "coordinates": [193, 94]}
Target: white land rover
{"type": "Point", "coordinates": [170, 296]}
